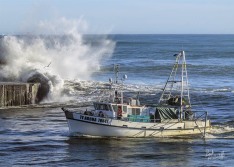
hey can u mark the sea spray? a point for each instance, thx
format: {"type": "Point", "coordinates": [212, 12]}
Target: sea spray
{"type": "Point", "coordinates": [51, 59]}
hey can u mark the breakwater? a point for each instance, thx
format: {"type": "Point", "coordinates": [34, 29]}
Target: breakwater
{"type": "Point", "coordinates": [17, 94]}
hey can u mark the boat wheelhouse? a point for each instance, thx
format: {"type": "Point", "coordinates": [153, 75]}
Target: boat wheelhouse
{"type": "Point", "coordinates": [172, 116]}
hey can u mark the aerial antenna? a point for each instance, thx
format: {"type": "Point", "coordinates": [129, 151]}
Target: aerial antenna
{"type": "Point", "coordinates": [116, 70]}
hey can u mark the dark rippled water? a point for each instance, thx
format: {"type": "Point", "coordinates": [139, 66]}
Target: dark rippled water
{"type": "Point", "coordinates": [39, 137]}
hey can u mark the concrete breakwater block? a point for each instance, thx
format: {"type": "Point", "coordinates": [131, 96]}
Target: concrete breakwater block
{"type": "Point", "coordinates": [17, 94]}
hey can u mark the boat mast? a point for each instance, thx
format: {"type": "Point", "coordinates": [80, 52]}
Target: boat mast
{"type": "Point", "coordinates": [116, 70]}
{"type": "Point", "coordinates": [167, 90]}
{"type": "Point", "coordinates": [171, 86]}
{"type": "Point", "coordinates": [182, 84]}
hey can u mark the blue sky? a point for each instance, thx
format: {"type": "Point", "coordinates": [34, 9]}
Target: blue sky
{"type": "Point", "coordinates": [123, 16]}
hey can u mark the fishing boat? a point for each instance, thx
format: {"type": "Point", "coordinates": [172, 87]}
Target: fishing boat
{"type": "Point", "coordinates": [172, 116]}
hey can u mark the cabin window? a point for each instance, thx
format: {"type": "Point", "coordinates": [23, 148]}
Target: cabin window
{"type": "Point", "coordinates": [130, 111]}
{"type": "Point", "coordinates": [125, 108]}
{"type": "Point", "coordinates": [109, 108]}
{"type": "Point", "coordinates": [102, 107]}
{"type": "Point", "coordinates": [138, 111]}
{"type": "Point", "coordinates": [115, 107]}
{"type": "Point", "coordinates": [95, 106]}
{"type": "Point", "coordinates": [135, 111]}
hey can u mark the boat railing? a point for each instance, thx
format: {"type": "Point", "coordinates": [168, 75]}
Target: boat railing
{"type": "Point", "coordinates": [86, 112]}
{"type": "Point", "coordinates": [77, 110]}
{"type": "Point", "coordinates": [136, 119]}
{"type": "Point", "coordinates": [200, 116]}
{"type": "Point", "coordinates": [147, 120]}
{"type": "Point", "coordinates": [195, 115]}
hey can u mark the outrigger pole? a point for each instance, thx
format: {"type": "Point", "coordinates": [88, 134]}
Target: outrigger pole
{"type": "Point", "coordinates": [174, 78]}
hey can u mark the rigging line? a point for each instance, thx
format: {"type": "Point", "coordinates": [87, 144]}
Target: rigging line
{"type": "Point", "coordinates": [163, 129]}
{"type": "Point", "coordinates": [199, 128]}
{"type": "Point", "coordinates": [137, 134]}
{"type": "Point", "coordinates": [158, 124]}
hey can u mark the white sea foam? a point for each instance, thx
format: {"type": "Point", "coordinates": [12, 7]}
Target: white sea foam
{"type": "Point", "coordinates": [53, 59]}
{"type": "Point", "coordinates": [221, 131]}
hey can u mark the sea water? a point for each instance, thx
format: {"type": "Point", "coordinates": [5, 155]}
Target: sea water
{"type": "Point", "coordinates": [40, 136]}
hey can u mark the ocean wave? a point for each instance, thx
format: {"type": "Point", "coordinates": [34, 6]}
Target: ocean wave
{"type": "Point", "coordinates": [89, 90]}
{"type": "Point", "coordinates": [221, 131]}
{"type": "Point", "coordinates": [50, 59]}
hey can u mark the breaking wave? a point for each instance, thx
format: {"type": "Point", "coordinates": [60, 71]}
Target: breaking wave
{"type": "Point", "coordinates": [51, 59]}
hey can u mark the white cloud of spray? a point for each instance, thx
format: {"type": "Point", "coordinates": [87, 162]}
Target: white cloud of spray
{"type": "Point", "coordinates": [60, 53]}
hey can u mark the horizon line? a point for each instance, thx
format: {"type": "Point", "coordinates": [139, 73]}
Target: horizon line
{"type": "Point", "coordinates": [16, 34]}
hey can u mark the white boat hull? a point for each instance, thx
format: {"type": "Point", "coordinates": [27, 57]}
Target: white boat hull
{"type": "Point", "coordinates": [106, 127]}
{"type": "Point", "coordinates": [118, 119]}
